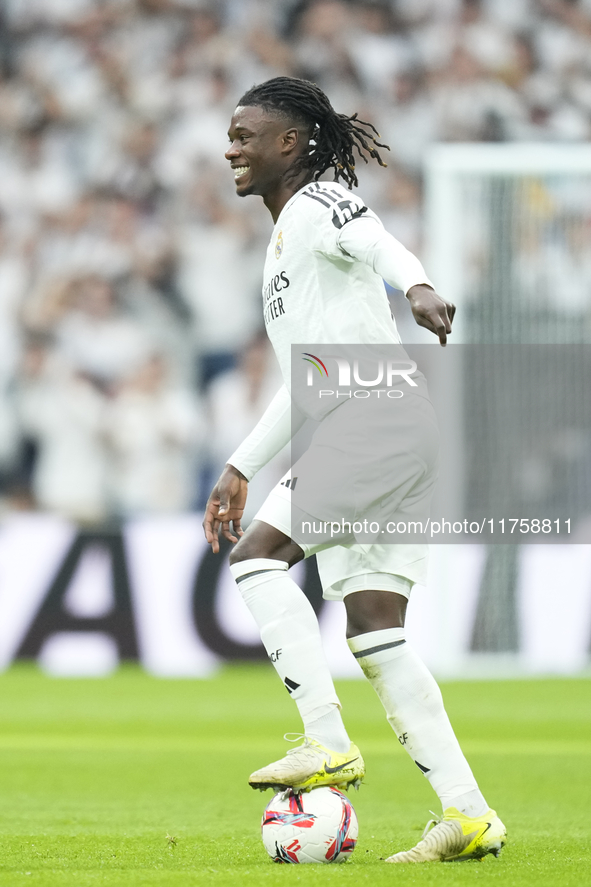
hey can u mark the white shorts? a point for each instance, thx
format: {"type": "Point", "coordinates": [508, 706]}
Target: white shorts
{"type": "Point", "coordinates": [345, 568]}
{"type": "Point", "coordinates": [366, 461]}
{"type": "Point", "coordinates": [376, 582]}
{"type": "Point", "coordinates": [363, 460]}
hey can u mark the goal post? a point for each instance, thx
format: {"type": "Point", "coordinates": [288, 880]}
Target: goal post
{"type": "Point", "coordinates": [508, 241]}
{"type": "Point", "coordinates": [535, 199]}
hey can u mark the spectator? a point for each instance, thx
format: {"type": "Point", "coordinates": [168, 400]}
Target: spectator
{"type": "Point", "coordinates": [62, 412]}
{"type": "Point", "coordinates": [121, 234]}
{"type": "Point", "coordinates": [218, 278]}
{"type": "Point", "coordinates": [409, 122]}
{"type": "Point", "coordinates": [96, 338]}
{"type": "Point", "coordinates": [471, 105]}
{"type": "Point", "coordinates": [153, 429]}
{"type": "Point", "coordinates": [236, 400]}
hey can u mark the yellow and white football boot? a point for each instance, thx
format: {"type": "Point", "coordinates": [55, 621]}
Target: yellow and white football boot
{"type": "Point", "coordinates": [456, 836]}
{"type": "Point", "coordinates": [309, 766]}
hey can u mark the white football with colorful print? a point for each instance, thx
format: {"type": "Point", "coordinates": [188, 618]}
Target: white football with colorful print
{"type": "Point", "coordinates": [318, 826]}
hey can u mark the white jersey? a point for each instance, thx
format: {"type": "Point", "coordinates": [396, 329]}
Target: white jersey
{"type": "Point", "coordinates": [315, 290]}
{"type": "Point", "coordinates": [323, 284]}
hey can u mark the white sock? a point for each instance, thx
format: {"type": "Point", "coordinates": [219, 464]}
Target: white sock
{"type": "Point", "coordinates": [329, 731]}
{"type": "Point", "coordinates": [291, 637]}
{"type": "Point", "coordinates": [414, 708]}
{"type": "Point", "coordinates": [470, 804]}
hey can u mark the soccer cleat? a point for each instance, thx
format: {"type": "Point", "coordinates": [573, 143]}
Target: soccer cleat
{"type": "Point", "coordinates": [456, 836]}
{"type": "Point", "coordinates": [310, 765]}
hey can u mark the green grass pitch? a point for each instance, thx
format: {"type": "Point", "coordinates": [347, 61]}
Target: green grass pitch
{"type": "Point", "coordinates": [136, 781]}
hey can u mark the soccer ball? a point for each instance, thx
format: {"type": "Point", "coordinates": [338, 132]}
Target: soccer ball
{"type": "Point", "coordinates": [316, 826]}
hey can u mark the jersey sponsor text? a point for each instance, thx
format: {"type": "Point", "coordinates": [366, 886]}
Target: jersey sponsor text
{"type": "Point", "coordinates": [273, 305]}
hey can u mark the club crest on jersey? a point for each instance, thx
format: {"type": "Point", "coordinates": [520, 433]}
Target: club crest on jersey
{"type": "Point", "coordinates": [279, 245]}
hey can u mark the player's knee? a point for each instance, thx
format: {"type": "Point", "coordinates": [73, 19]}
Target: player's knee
{"type": "Point", "coordinates": [358, 624]}
{"type": "Point", "coordinates": [355, 627]}
{"type": "Point", "coordinates": [262, 540]}
{"type": "Point", "coordinates": [360, 621]}
{"type": "Point", "coordinates": [252, 545]}
{"type": "Point", "coordinates": [374, 611]}
{"type": "Point", "coordinates": [243, 551]}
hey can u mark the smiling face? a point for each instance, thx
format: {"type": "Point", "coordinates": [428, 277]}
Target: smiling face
{"type": "Point", "coordinates": [263, 147]}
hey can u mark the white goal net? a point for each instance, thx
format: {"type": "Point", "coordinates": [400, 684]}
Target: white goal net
{"type": "Point", "coordinates": [508, 240]}
{"type": "Point", "coordinates": [508, 230]}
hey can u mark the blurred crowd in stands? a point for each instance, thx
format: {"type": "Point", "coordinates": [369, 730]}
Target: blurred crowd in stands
{"type": "Point", "coordinates": [131, 354]}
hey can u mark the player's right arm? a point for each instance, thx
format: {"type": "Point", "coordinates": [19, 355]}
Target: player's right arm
{"type": "Point", "coordinates": [225, 506]}
{"type": "Point", "coordinates": [226, 503]}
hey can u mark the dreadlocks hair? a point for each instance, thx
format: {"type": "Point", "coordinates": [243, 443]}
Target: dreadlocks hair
{"type": "Point", "coordinates": [333, 137]}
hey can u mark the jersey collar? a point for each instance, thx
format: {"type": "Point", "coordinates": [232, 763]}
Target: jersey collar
{"type": "Point", "coordinates": [292, 200]}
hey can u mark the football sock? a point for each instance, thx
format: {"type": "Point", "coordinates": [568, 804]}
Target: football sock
{"type": "Point", "coordinates": [291, 637]}
{"type": "Point", "coordinates": [414, 708]}
{"type": "Point", "coordinates": [329, 731]}
{"type": "Point", "coordinates": [471, 804]}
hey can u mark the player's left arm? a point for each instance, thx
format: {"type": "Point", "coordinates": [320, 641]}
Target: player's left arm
{"type": "Point", "coordinates": [365, 238]}
{"type": "Point", "coordinates": [431, 311]}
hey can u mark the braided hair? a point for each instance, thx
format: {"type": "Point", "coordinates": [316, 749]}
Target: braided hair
{"type": "Point", "coordinates": [333, 137]}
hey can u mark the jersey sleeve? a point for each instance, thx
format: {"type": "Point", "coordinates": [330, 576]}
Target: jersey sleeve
{"type": "Point", "coordinates": [364, 238]}
{"type": "Point", "coordinates": [339, 225]}
{"type": "Point", "coordinates": [324, 211]}
{"type": "Point", "coordinates": [275, 429]}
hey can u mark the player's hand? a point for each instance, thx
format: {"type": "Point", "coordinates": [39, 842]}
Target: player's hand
{"type": "Point", "coordinates": [225, 506]}
{"type": "Point", "coordinates": [431, 311]}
